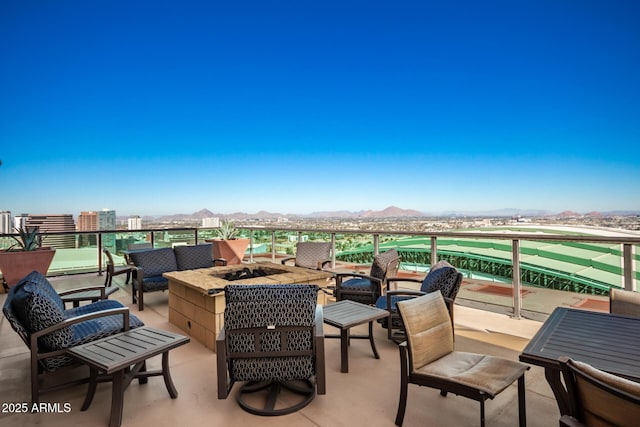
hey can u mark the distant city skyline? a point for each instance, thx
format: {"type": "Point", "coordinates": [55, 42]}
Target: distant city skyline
{"type": "Point", "coordinates": [293, 108]}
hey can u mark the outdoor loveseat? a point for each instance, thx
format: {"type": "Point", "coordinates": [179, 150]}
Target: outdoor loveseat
{"type": "Point", "coordinates": [151, 264]}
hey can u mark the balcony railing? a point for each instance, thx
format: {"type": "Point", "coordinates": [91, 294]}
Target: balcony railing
{"type": "Point", "coordinates": [495, 256]}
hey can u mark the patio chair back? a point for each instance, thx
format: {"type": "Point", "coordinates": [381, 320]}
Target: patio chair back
{"type": "Point", "coordinates": [598, 398]}
{"type": "Point", "coordinates": [270, 335]}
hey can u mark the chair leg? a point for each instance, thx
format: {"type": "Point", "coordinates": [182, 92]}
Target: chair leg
{"type": "Point", "coordinates": [481, 412]}
{"type": "Point", "coordinates": [404, 385]}
{"type": "Point", "coordinates": [140, 299]}
{"type": "Point", "coordinates": [522, 410]}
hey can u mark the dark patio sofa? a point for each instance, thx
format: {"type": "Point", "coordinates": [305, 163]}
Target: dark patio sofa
{"type": "Point", "coordinates": [152, 264]}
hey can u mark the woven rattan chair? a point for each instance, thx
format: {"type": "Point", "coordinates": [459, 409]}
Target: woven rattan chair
{"type": "Point", "coordinates": [597, 398]}
{"type": "Point", "coordinates": [272, 340]}
{"type": "Point", "coordinates": [442, 277]}
{"type": "Point", "coordinates": [314, 255]}
{"type": "Point", "coordinates": [367, 288]}
{"type": "Point", "coordinates": [428, 359]}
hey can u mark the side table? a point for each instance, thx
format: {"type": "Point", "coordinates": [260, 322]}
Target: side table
{"type": "Point", "coordinates": [346, 314]}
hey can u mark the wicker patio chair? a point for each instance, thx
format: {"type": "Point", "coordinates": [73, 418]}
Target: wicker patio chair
{"type": "Point", "coordinates": [442, 277]}
{"type": "Point", "coordinates": [314, 255]}
{"type": "Point", "coordinates": [367, 288]}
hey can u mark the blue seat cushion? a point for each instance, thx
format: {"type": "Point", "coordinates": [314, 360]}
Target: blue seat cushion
{"type": "Point", "coordinates": [100, 327]}
{"type": "Point", "coordinates": [381, 302]}
{"type": "Point", "coordinates": [357, 284]}
{"type": "Point", "coordinates": [155, 283]}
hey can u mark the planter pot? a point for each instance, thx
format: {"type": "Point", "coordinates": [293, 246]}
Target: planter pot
{"type": "Point", "coordinates": [16, 265]}
{"type": "Point", "coordinates": [231, 250]}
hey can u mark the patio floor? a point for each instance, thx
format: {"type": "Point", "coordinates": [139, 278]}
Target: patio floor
{"type": "Point", "coordinates": [366, 396]}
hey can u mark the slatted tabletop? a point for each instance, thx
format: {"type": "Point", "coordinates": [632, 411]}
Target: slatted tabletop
{"type": "Point", "coordinates": [606, 341]}
{"type": "Point", "coordinates": [346, 314]}
{"type": "Point", "coordinates": [119, 351]}
{"type": "Point", "coordinates": [92, 295]}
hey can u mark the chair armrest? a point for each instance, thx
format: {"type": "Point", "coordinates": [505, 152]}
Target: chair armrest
{"type": "Point", "coordinates": [139, 274]}
{"type": "Point", "coordinates": [404, 279]}
{"type": "Point", "coordinates": [365, 276]}
{"type": "Point", "coordinates": [406, 292]}
{"type": "Point", "coordinates": [323, 263]}
{"type": "Point", "coordinates": [221, 363]}
{"type": "Point", "coordinates": [287, 259]}
{"type": "Point", "coordinates": [569, 421]}
{"type": "Point", "coordinates": [79, 319]}
{"type": "Point", "coordinates": [221, 261]}
{"type": "Point", "coordinates": [321, 380]}
{"type": "Point", "coordinates": [88, 288]}
{"type": "Point", "coordinates": [319, 322]}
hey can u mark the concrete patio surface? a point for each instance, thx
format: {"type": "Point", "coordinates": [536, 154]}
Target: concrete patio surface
{"type": "Point", "coordinates": [366, 396]}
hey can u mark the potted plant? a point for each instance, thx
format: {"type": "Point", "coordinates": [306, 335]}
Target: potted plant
{"type": "Point", "coordinates": [227, 245]}
{"type": "Point", "coordinates": [24, 256]}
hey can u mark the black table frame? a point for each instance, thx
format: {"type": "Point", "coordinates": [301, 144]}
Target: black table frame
{"type": "Point", "coordinates": [605, 341]}
{"type": "Point", "coordinates": [115, 356]}
{"type": "Point", "coordinates": [346, 314]}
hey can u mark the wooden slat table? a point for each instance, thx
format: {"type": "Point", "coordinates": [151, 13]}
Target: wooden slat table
{"type": "Point", "coordinates": [605, 341]}
{"type": "Point", "coordinates": [115, 356]}
{"type": "Point", "coordinates": [92, 295]}
{"type": "Point", "coordinates": [346, 314]}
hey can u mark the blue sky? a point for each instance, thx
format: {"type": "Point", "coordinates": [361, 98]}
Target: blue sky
{"type": "Point", "coordinates": [160, 107]}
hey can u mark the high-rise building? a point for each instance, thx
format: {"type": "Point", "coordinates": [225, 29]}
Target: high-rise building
{"type": "Point", "coordinates": [107, 219]}
{"type": "Point", "coordinates": [53, 223]}
{"type": "Point", "coordinates": [134, 223]}
{"type": "Point", "coordinates": [211, 222]}
{"type": "Point", "coordinates": [87, 221]}
{"type": "Point", "coordinates": [6, 227]}
{"type": "Point", "coordinates": [94, 221]}
{"type": "Point", "coordinates": [20, 221]}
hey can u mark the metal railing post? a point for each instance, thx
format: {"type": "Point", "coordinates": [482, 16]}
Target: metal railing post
{"type": "Point", "coordinates": [515, 279]}
{"type": "Point", "coordinates": [376, 244]}
{"type": "Point", "coordinates": [273, 246]}
{"type": "Point", "coordinates": [99, 254]}
{"type": "Point", "coordinates": [333, 250]}
{"type": "Point", "coordinates": [434, 250]}
{"type": "Point", "coordinates": [627, 266]}
{"type": "Point", "coordinates": [251, 245]}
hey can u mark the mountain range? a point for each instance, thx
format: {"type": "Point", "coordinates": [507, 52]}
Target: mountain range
{"type": "Point", "coordinates": [389, 212]}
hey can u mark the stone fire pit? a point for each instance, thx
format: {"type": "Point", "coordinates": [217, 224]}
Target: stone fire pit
{"type": "Point", "coordinates": [200, 313]}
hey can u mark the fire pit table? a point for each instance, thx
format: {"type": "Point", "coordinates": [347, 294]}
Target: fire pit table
{"type": "Point", "coordinates": [196, 297]}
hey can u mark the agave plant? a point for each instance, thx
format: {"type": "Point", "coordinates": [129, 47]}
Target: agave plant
{"type": "Point", "coordinates": [29, 239]}
{"type": "Point", "coordinates": [227, 230]}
